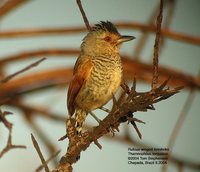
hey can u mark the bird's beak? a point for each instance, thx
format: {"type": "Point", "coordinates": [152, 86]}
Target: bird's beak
{"type": "Point", "coordinates": [125, 38]}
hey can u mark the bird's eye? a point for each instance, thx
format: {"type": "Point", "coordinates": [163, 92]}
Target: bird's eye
{"type": "Point", "coordinates": [107, 38]}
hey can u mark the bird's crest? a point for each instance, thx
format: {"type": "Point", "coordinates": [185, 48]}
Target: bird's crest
{"type": "Point", "coordinates": [105, 26]}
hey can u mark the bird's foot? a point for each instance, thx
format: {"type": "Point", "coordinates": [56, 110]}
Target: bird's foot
{"type": "Point", "coordinates": [105, 109]}
{"type": "Point", "coordinates": [95, 117]}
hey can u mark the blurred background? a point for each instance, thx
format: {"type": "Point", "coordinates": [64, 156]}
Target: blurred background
{"type": "Point", "coordinates": [47, 95]}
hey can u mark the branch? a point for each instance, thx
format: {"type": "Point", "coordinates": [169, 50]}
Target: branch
{"type": "Point", "coordinates": [9, 145]}
{"type": "Point", "coordinates": [83, 15]}
{"type": "Point", "coordinates": [61, 76]}
{"type": "Point", "coordinates": [182, 37]}
{"type": "Point", "coordinates": [132, 67]}
{"type": "Point", "coordinates": [10, 5]}
{"type": "Point", "coordinates": [36, 110]}
{"type": "Point", "coordinates": [47, 161]}
{"type": "Point", "coordinates": [8, 125]}
{"type": "Point", "coordinates": [143, 38]}
{"type": "Point", "coordinates": [3, 119]}
{"type": "Point", "coordinates": [21, 71]}
{"type": "Point", "coordinates": [170, 13]}
{"type": "Point", "coordinates": [127, 103]}
{"type": "Point", "coordinates": [156, 47]}
{"type": "Point", "coordinates": [38, 53]}
{"type": "Point", "coordinates": [37, 148]}
{"type": "Point", "coordinates": [44, 138]}
{"type": "Point", "coordinates": [179, 122]}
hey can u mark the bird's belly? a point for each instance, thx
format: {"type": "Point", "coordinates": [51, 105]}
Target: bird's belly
{"type": "Point", "coordinates": [96, 93]}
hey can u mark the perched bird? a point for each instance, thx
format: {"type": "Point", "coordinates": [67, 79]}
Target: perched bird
{"type": "Point", "coordinates": [97, 72]}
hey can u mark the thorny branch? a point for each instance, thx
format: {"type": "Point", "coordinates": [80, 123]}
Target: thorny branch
{"type": "Point", "coordinates": [126, 104]}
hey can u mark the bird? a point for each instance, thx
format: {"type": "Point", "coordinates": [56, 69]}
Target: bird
{"type": "Point", "coordinates": [98, 71]}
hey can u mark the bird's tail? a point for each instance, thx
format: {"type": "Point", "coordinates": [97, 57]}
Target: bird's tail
{"type": "Point", "coordinates": [80, 117]}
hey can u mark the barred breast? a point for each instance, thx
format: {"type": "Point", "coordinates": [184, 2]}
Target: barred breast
{"type": "Point", "coordinates": [105, 79]}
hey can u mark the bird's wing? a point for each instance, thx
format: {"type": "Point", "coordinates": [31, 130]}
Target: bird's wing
{"type": "Point", "coordinates": [82, 72]}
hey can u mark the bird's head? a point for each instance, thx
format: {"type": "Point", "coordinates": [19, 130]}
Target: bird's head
{"type": "Point", "coordinates": [103, 39]}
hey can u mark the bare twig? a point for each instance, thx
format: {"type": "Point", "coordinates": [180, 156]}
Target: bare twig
{"type": "Point", "coordinates": [42, 80]}
{"type": "Point", "coordinates": [170, 13]}
{"type": "Point", "coordinates": [61, 76]}
{"type": "Point", "coordinates": [195, 40]}
{"type": "Point", "coordinates": [181, 118]}
{"type": "Point", "coordinates": [4, 120]}
{"type": "Point", "coordinates": [170, 5]}
{"type": "Point", "coordinates": [21, 71]}
{"type": "Point", "coordinates": [47, 161]}
{"type": "Point", "coordinates": [9, 145]}
{"type": "Point", "coordinates": [8, 125]}
{"type": "Point", "coordinates": [37, 148]}
{"type": "Point", "coordinates": [178, 125]}
{"type": "Point", "coordinates": [10, 5]}
{"type": "Point", "coordinates": [83, 15]}
{"type": "Point", "coordinates": [38, 53]}
{"type": "Point", "coordinates": [49, 144]}
{"type": "Point", "coordinates": [33, 32]}
{"type": "Point", "coordinates": [156, 47]}
{"type": "Point", "coordinates": [37, 110]}
{"type": "Point", "coordinates": [143, 39]}
{"type": "Point", "coordinates": [192, 39]}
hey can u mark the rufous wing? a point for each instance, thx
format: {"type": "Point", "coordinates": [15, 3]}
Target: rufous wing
{"type": "Point", "coordinates": [81, 73]}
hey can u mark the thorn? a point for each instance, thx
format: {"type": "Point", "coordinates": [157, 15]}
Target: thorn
{"type": "Point", "coordinates": [114, 100]}
{"type": "Point", "coordinates": [135, 119]}
{"type": "Point", "coordinates": [163, 84]}
{"type": "Point", "coordinates": [97, 143]}
{"type": "Point", "coordinates": [136, 129]}
{"type": "Point", "coordinates": [62, 138]}
{"type": "Point", "coordinates": [125, 88]}
{"type": "Point", "coordinates": [133, 88]}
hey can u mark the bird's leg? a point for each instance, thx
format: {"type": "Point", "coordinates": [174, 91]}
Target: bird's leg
{"type": "Point", "coordinates": [94, 116]}
{"type": "Point", "coordinates": [105, 109]}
